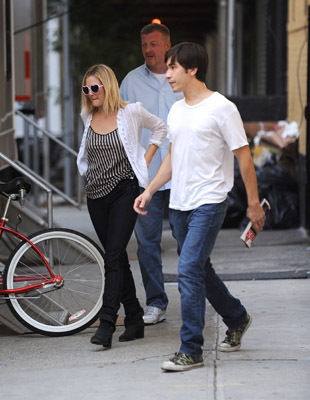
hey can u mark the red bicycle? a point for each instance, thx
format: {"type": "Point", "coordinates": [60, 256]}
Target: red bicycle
{"type": "Point", "coordinates": [52, 280]}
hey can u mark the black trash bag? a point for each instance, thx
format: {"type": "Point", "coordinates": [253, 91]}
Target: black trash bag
{"type": "Point", "coordinates": [280, 188]}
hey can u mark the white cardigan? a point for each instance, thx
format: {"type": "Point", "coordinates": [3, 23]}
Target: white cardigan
{"type": "Point", "coordinates": [130, 121]}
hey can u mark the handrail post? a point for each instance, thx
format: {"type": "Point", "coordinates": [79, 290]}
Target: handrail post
{"type": "Point", "coordinates": [50, 209]}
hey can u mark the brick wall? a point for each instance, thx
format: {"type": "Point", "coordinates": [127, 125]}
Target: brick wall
{"type": "Point", "coordinates": [297, 65]}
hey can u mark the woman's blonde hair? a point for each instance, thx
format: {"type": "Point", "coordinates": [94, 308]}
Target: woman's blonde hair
{"type": "Point", "coordinates": [112, 100]}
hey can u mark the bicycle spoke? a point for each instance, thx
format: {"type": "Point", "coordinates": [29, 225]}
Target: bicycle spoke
{"type": "Point", "coordinates": [79, 263]}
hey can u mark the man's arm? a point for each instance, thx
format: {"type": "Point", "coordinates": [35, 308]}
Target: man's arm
{"type": "Point", "coordinates": [255, 211]}
{"type": "Point", "coordinates": [163, 175]}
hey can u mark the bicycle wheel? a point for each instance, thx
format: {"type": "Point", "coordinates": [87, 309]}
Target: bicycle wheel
{"type": "Point", "coordinates": [55, 311]}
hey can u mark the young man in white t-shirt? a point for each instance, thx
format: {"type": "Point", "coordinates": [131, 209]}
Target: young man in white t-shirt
{"type": "Point", "coordinates": [206, 132]}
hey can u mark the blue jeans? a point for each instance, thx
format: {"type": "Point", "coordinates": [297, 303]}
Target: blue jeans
{"type": "Point", "coordinates": [148, 230]}
{"type": "Point", "coordinates": [196, 232]}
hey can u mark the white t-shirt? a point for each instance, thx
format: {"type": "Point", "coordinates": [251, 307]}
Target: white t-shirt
{"type": "Point", "coordinates": [160, 77]}
{"type": "Point", "coordinates": [203, 137]}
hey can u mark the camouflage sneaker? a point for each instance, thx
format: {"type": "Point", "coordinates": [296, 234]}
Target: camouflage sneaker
{"type": "Point", "coordinates": [232, 341]}
{"type": "Point", "coordinates": [182, 362]}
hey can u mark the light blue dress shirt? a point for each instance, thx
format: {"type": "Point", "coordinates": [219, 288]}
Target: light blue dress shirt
{"type": "Point", "coordinates": [140, 85]}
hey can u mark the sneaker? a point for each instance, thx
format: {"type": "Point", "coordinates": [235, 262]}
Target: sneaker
{"type": "Point", "coordinates": [232, 341]}
{"type": "Point", "coordinates": [182, 362]}
{"type": "Point", "coordinates": [153, 315]}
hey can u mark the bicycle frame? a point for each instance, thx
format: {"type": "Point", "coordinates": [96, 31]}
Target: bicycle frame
{"type": "Point", "coordinates": [53, 280]}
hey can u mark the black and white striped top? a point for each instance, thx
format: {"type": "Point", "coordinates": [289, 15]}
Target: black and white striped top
{"type": "Point", "coordinates": [107, 162]}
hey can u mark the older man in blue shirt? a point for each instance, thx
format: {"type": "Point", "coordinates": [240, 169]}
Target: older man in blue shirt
{"type": "Point", "coordinates": [147, 84]}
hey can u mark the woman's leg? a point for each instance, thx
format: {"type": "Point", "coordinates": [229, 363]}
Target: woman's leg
{"type": "Point", "coordinates": [113, 218]}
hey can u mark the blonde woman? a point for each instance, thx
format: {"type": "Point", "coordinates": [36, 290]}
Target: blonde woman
{"type": "Point", "coordinates": [114, 162]}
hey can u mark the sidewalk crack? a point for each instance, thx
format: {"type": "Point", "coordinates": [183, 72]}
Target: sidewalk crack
{"type": "Point", "coordinates": [214, 380]}
{"type": "Point", "coordinates": [214, 361]}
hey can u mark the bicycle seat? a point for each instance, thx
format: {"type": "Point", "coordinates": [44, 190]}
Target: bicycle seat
{"type": "Point", "coordinates": [14, 186]}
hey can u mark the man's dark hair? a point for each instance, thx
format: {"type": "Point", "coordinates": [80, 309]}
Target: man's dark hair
{"type": "Point", "coordinates": [150, 28]}
{"type": "Point", "coordinates": [190, 55]}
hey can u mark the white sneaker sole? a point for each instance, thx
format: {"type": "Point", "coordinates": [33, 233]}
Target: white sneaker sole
{"type": "Point", "coordinates": [170, 366]}
{"type": "Point", "coordinates": [228, 349]}
{"type": "Point", "coordinates": [154, 321]}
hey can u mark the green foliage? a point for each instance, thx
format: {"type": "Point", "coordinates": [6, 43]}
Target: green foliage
{"type": "Point", "coordinates": [104, 31]}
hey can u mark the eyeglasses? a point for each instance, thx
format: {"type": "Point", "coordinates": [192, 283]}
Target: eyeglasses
{"type": "Point", "coordinates": [93, 88]}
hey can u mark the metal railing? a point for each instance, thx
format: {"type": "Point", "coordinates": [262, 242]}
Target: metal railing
{"type": "Point", "coordinates": [68, 149]}
{"type": "Point", "coordinates": [34, 175]}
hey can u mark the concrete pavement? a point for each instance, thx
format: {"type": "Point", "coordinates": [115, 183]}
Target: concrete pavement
{"type": "Point", "coordinates": [273, 362]}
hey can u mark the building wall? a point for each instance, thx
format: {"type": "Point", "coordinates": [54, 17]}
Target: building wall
{"type": "Point", "coordinates": [7, 139]}
{"type": "Point", "coordinates": [297, 34]}
{"type": "Point", "coordinates": [297, 65]}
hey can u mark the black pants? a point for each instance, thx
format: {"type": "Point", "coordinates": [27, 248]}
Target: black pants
{"type": "Point", "coordinates": [114, 219]}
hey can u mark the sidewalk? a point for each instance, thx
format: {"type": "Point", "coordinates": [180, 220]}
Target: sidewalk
{"type": "Point", "coordinates": [273, 362]}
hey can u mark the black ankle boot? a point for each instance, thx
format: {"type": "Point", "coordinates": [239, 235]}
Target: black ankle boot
{"type": "Point", "coordinates": [104, 333]}
{"type": "Point", "coordinates": [134, 328]}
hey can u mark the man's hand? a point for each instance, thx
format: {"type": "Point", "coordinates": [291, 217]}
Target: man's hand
{"type": "Point", "coordinates": [141, 202]}
{"type": "Point", "coordinates": [163, 176]}
{"type": "Point", "coordinates": [257, 216]}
